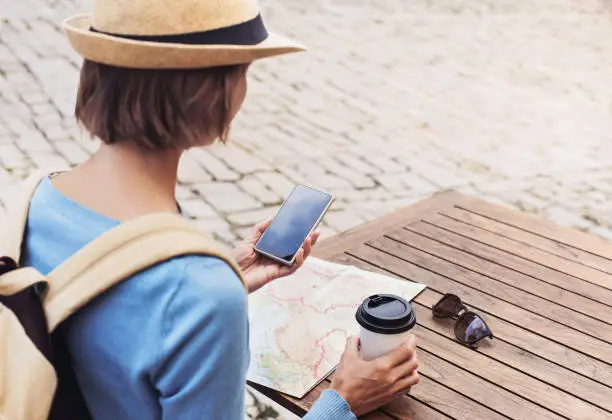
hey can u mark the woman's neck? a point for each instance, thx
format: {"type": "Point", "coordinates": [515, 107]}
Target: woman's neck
{"type": "Point", "coordinates": [123, 182]}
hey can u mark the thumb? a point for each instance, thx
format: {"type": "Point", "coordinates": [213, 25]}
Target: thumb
{"type": "Point", "coordinates": [258, 230]}
{"type": "Point", "coordinates": [262, 226]}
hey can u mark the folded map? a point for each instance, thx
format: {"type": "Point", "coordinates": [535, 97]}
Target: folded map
{"type": "Point", "coordinates": [300, 323]}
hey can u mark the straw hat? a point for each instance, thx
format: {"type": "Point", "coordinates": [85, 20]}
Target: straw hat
{"type": "Point", "coordinates": [177, 34]}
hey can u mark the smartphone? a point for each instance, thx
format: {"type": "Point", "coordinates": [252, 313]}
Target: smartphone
{"type": "Point", "coordinates": [297, 218]}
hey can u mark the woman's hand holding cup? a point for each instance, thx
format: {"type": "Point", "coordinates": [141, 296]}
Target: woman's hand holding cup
{"type": "Point", "coordinates": [368, 385]}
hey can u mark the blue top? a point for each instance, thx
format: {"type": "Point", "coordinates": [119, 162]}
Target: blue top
{"type": "Point", "coordinates": [169, 343]}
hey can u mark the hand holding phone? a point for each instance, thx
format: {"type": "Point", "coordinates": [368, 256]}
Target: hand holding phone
{"type": "Point", "coordinates": [297, 218]}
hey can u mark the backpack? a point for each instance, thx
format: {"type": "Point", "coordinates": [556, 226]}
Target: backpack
{"type": "Point", "coordinates": [36, 377]}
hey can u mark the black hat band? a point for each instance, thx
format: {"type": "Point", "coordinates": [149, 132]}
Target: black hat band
{"type": "Point", "coordinates": [251, 32]}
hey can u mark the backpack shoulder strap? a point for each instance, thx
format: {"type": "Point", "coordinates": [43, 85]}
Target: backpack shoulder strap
{"type": "Point", "coordinates": [16, 216]}
{"type": "Point", "coordinates": [120, 253]}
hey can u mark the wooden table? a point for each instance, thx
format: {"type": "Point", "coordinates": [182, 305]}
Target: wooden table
{"type": "Point", "coordinates": [545, 291]}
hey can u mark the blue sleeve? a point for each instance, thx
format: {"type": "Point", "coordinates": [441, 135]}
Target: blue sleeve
{"type": "Point", "coordinates": [205, 345]}
{"type": "Point", "coordinates": [330, 406]}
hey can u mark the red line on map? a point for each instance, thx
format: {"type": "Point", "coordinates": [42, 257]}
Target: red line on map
{"type": "Point", "coordinates": [319, 344]}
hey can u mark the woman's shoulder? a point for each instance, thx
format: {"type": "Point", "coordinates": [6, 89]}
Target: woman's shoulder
{"type": "Point", "coordinates": [200, 278]}
{"type": "Point", "coordinates": [204, 276]}
{"type": "Point", "coordinates": [179, 295]}
{"type": "Point", "coordinates": [180, 287]}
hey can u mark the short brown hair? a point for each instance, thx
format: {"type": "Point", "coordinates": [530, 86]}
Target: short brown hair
{"type": "Point", "coordinates": [156, 109]}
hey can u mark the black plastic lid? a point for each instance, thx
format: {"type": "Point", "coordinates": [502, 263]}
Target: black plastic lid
{"type": "Point", "coordinates": [386, 314]}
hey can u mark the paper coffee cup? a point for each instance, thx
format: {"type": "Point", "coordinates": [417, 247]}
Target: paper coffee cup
{"type": "Point", "coordinates": [386, 321]}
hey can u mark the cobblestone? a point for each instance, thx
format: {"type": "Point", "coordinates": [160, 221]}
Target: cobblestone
{"type": "Point", "coordinates": [218, 170]}
{"type": "Point", "coordinates": [395, 100]}
{"type": "Point", "coordinates": [329, 182]}
{"type": "Point", "coordinates": [198, 209]}
{"type": "Point", "coordinates": [356, 164]}
{"type": "Point", "coordinates": [260, 191]}
{"type": "Point", "coordinates": [342, 220]}
{"type": "Point", "coordinates": [32, 141]}
{"type": "Point", "coordinates": [227, 197]}
{"type": "Point", "coordinates": [357, 179]}
{"type": "Point", "coordinates": [191, 171]}
{"type": "Point", "coordinates": [238, 159]}
{"type": "Point", "coordinates": [604, 232]}
{"type": "Point", "coordinates": [251, 218]}
{"type": "Point", "coordinates": [275, 182]}
{"type": "Point", "coordinates": [47, 159]}
{"type": "Point", "coordinates": [184, 193]}
{"type": "Point", "coordinates": [70, 150]}
{"type": "Point", "coordinates": [11, 157]}
{"type": "Point", "coordinates": [220, 230]}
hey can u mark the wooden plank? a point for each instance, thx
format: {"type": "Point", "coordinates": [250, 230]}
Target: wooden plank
{"type": "Point", "coordinates": [527, 252]}
{"type": "Point", "coordinates": [508, 378]}
{"type": "Point", "coordinates": [517, 280]}
{"type": "Point", "coordinates": [365, 231]}
{"type": "Point", "coordinates": [444, 399]}
{"type": "Point", "coordinates": [499, 314]}
{"type": "Point", "coordinates": [380, 415]}
{"type": "Point", "coordinates": [428, 399]}
{"type": "Point", "coordinates": [538, 226]}
{"type": "Point", "coordinates": [517, 264]}
{"type": "Point", "coordinates": [509, 354]}
{"type": "Point", "coordinates": [468, 383]}
{"type": "Point", "coordinates": [506, 284]}
{"type": "Point", "coordinates": [531, 239]}
{"type": "Point", "coordinates": [403, 408]}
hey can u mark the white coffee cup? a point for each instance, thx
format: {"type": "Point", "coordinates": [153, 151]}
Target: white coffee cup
{"type": "Point", "coordinates": [386, 321]}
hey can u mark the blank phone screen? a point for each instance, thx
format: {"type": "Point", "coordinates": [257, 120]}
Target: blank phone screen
{"type": "Point", "coordinates": [295, 219]}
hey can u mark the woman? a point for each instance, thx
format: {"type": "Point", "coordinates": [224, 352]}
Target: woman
{"type": "Point", "coordinates": [171, 342]}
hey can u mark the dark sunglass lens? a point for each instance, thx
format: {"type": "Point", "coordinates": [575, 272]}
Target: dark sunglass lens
{"type": "Point", "coordinates": [470, 328]}
{"type": "Point", "coordinates": [449, 305]}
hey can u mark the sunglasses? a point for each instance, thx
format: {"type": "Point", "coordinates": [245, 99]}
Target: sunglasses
{"type": "Point", "coordinates": [470, 328]}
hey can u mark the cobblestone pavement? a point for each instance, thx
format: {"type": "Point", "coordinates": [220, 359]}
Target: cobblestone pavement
{"type": "Point", "coordinates": [504, 99]}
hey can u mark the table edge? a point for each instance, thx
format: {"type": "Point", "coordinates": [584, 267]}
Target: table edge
{"type": "Point", "coordinates": [329, 247]}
